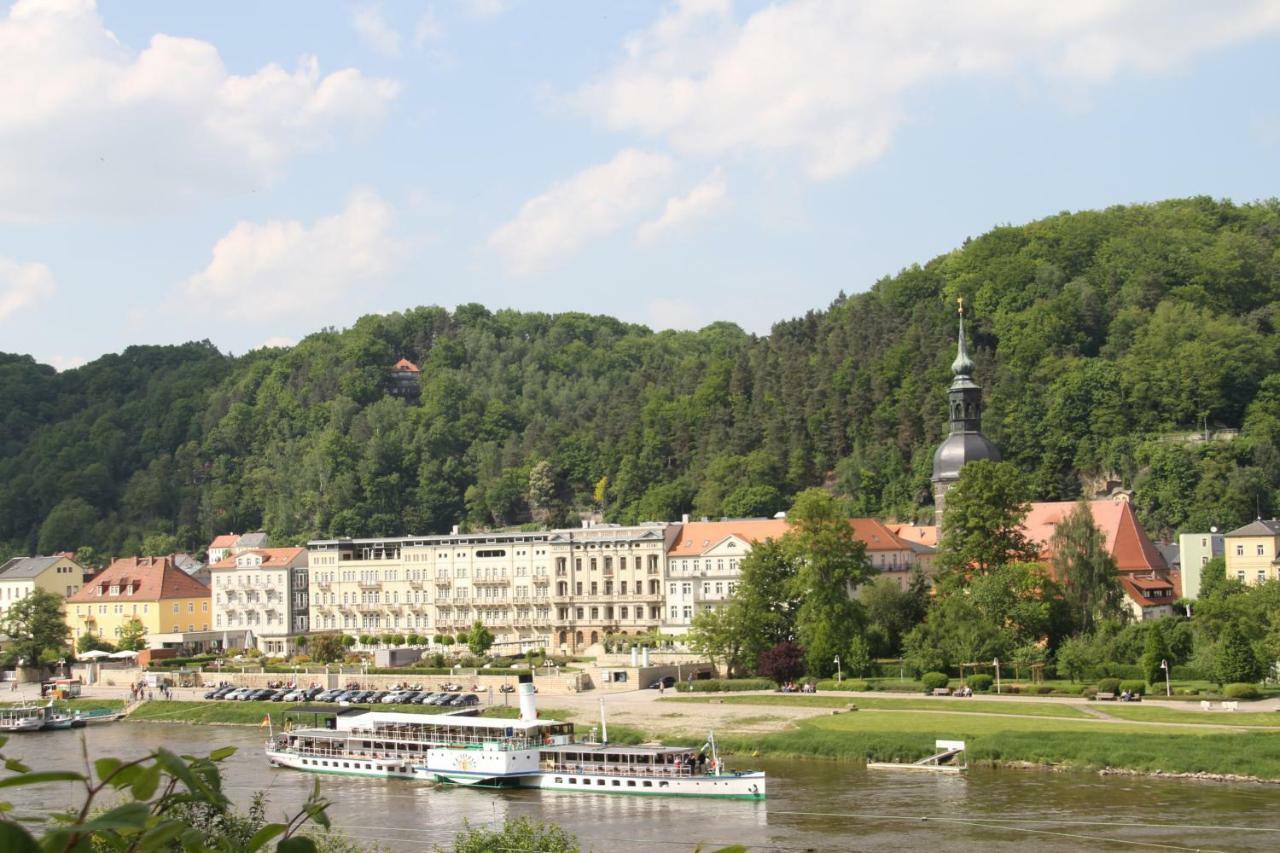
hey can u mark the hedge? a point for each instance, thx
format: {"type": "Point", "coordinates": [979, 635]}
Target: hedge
{"type": "Point", "coordinates": [1109, 685]}
{"type": "Point", "coordinates": [981, 682]}
{"type": "Point", "coordinates": [1134, 686]}
{"type": "Point", "coordinates": [1241, 691]}
{"type": "Point", "coordinates": [725, 685]}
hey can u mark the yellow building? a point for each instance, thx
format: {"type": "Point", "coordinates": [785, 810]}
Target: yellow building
{"type": "Point", "coordinates": [1251, 552]}
{"type": "Point", "coordinates": [22, 576]}
{"type": "Point", "coordinates": [165, 599]}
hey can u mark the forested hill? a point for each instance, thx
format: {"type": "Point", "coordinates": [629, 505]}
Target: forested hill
{"type": "Point", "coordinates": [1095, 334]}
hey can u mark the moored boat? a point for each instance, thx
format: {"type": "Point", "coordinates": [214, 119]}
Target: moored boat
{"type": "Point", "coordinates": [496, 753]}
{"type": "Point", "coordinates": [22, 718]}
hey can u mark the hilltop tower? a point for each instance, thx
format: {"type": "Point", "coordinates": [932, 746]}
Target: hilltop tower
{"type": "Point", "coordinates": [965, 442]}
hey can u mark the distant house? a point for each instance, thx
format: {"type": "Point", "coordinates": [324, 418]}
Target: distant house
{"type": "Point", "coordinates": [193, 567]}
{"type": "Point", "coordinates": [21, 576]}
{"type": "Point", "coordinates": [250, 542]}
{"type": "Point", "coordinates": [1253, 552]}
{"type": "Point", "coordinates": [171, 605]}
{"type": "Point", "coordinates": [221, 546]}
{"type": "Point", "coordinates": [1195, 550]}
{"type": "Point", "coordinates": [404, 379]}
{"type": "Point", "coordinates": [1149, 585]}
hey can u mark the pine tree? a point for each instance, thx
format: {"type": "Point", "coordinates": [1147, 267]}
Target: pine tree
{"type": "Point", "coordinates": [1085, 569]}
{"type": "Point", "coordinates": [1237, 661]}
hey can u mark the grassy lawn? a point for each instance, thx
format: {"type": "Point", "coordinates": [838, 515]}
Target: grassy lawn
{"type": "Point", "coordinates": [941, 706]}
{"type": "Point", "coordinates": [884, 736]}
{"type": "Point", "coordinates": [1153, 713]}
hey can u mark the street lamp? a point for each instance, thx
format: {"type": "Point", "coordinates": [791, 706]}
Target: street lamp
{"type": "Point", "coordinates": [996, 663]}
{"type": "Point", "coordinates": [1168, 690]}
{"type": "Point", "coordinates": [838, 672]}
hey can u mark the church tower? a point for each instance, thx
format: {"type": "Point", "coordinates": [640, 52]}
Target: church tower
{"type": "Point", "coordinates": [965, 442]}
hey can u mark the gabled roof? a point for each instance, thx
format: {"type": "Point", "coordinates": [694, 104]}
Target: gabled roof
{"type": "Point", "coordinates": [141, 579]}
{"type": "Point", "coordinates": [272, 558]}
{"type": "Point", "coordinates": [1126, 541]}
{"type": "Point", "coordinates": [257, 539]}
{"type": "Point", "coordinates": [1140, 590]}
{"type": "Point", "coordinates": [1257, 527]}
{"type": "Point", "coordinates": [226, 540]}
{"type": "Point", "coordinates": [20, 568]}
{"type": "Point", "coordinates": [406, 365]}
{"type": "Point", "coordinates": [917, 534]}
{"type": "Point", "coordinates": [698, 537]}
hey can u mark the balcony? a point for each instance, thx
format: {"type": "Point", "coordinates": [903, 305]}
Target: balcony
{"type": "Point", "coordinates": [491, 581]}
{"type": "Point", "coordinates": [369, 584]}
{"type": "Point", "coordinates": [541, 580]}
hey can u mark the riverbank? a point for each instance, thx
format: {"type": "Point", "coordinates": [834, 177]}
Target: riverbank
{"type": "Point", "coordinates": [1013, 734]}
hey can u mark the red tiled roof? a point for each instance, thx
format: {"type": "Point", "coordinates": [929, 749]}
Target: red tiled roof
{"type": "Point", "coordinates": [697, 537]}
{"type": "Point", "coordinates": [1126, 541]}
{"type": "Point", "coordinates": [918, 533]}
{"type": "Point", "coordinates": [406, 365]}
{"type": "Point", "coordinates": [226, 540]}
{"type": "Point", "coordinates": [142, 579]}
{"type": "Point", "coordinates": [272, 558]}
{"type": "Point", "coordinates": [1140, 592]}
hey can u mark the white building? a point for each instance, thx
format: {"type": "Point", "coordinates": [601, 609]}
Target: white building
{"type": "Point", "coordinates": [1195, 551]}
{"type": "Point", "coordinates": [260, 598]}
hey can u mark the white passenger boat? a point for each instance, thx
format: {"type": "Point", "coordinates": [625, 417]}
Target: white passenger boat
{"type": "Point", "coordinates": [22, 718]}
{"type": "Point", "coordinates": [485, 752]}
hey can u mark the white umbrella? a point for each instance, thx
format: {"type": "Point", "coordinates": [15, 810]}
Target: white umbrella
{"type": "Point", "coordinates": [95, 654]}
{"type": "Point", "coordinates": [122, 655]}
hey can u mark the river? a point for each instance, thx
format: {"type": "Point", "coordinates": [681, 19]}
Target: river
{"type": "Point", "coordinates": [812, 805]}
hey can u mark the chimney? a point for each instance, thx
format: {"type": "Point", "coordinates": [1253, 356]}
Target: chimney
{"type": "Point", "coordinates": [684, 518]}
{"type": "Point", "coordinates": [528, 705]}
{"type": "Point", "coordinates": [453, 531]}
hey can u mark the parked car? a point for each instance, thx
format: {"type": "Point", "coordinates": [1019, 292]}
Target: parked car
{"type": "Point", "coordinates": [665, 681]}
{"type": "Point", "coordinates": [218, 692]}
{"type": "Point", "coordinates": [424, 698]}
{"type": "Point", "coordinates": [393, 697]}
{"type": "Point", "coordinates": [325, 696]}
{"type": "Point", "coordinates": [446, 699]}
{"type": "Point", "coordinates": [468, 700]}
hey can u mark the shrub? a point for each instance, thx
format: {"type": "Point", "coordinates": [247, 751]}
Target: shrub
{"type": "Point", "coordinates": [1044, 690]}
{"type": "Point", "coordinates": [1089, 693]}
{"type": "Point", "coordinates": [1241, 691]}
{"type": "Point", "coordinates": [1134, 686]}
{"type": "Point", "coordinates": [718, 685]}
{"type": "Point", "coordinates": [934, 680]}
{"type": "Point", "coordinates": [982, 682]}
{"type": "Point", "coordinates": [846, 684]}
{"type": "Point", "coordinates": [1109, 685]}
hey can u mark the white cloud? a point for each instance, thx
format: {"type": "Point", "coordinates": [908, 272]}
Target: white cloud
{"type": "Point", "coordinates": [674, 314]}
{"type": "Point", "coordinates": [701, 202]}
{"type": "Point", "coordinates": [90, 126]}
{"type": "Point", "coordinates": [374, 30]}
{"type": "Point", "coordinates": [593, 203]}
{"type": "Point", "coordinates": [827, 82]}
{"type": "Point", "coordinates": [67, 362]}
{"type": "Point", "coordinates": [285, 268]}
{"type": "Point", "coordinates": [23, 286]}
{"type": "Point", "coordinates": [428, 29]}
{"type": "Point", "coordinates": [485, 8]}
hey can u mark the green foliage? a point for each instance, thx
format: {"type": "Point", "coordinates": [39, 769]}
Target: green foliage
{"type": "Point", "coordinates": [722, 685]}
{"type": "Point", "coordinates": [90, 643]}
{"type": "Point", "coordinates": [782, 663]}
{"type": "Point", "coordinates": [979, 682]}
{"type": "Point", "coordinates": [517, 835]}
{"type": "Point", "coordinates": [934, 681]}
{"type": "Point", "coordinates": [1241, 691]}
{"type": "Point", "coordinates": [1085, 569]}
{"type": "Point", "coordinates": [1109, 685]}
{"type": "Point", "coordinates": [1136, 685]}
{"type": "Point", "coordinates": [160, 801]}
{"type": "Point", "coordinates": [982, 522]}
{"type": "Point", "coordinates": [36, 629]}
{"type": "Point", "coordinates": [133, 635]}
{"type": "Point", "coordinates": [1153, 653]}
{"type": "Point", "coordinates": [479, 639]}
{"type": "Point", "coordinates": [327, 648]}
{"type": "Point", "coordinates": [1236, 659]}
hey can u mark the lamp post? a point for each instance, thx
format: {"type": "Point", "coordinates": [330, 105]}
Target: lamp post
{"type": "Point", "coordinates": [1168, 689]}
{"type": "Point", "coordinates": [838, 671]}
{"type": "Point", "coordinates": [996, 663]}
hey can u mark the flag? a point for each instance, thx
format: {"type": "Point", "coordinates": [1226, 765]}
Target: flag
{"type": "Point", "coordinates": [266, 721]}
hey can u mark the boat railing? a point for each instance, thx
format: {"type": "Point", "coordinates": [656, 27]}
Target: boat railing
{"type": "Point", "coordinates": [673, 771]}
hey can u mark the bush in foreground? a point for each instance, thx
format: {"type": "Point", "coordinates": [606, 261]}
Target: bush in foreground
{"type": "Point", "coordinates": [1134, 686]}
{"type": "Point", "coordinates": [520, 835]}
{"type": "Point", "coordinates": [980, 683]}
{"type": "Point", "coordinates": [725, 685]}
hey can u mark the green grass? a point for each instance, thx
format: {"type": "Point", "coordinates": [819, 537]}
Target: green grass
{"type": "Point", "coordinates": [941, 706]}
{"type": "Point", "coordinates": [1156, 714]}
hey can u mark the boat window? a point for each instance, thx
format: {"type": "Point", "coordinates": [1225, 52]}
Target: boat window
{"type": "Point", "coordinates": [599, 781]}
{"type": "Point", "coordinates": [345, 764]}
{"type": "Point", "coordinates": [559, 780]}
{"type": "Point", "coordinates": [663, 785]}
{"type": "Point", "coordinates": [631, 783]}
{"type": "Point", "coordinates": [648, 784]}
{"type": "Point", "coordinates": [616, 783]}
{"type": "Point", "coordinates": [572, 781]}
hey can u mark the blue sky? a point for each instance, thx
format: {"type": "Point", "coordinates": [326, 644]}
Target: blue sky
{"type": "Point", "coordinates": [251, 172]}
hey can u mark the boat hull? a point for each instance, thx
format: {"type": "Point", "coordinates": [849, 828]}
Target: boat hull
{"type": "Point", "coordinates": [343, 765]}
{"type": "Point", "coordinates": [735, 786]}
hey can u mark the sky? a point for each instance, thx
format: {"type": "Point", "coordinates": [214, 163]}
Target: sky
{"type": "Point", "coordinates": [249, 172]}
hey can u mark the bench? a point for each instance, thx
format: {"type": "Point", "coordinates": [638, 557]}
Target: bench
{"type": "Point", "coordinates": [1230, 706]}
{"type": "Point", "coordinates": [1105, 697]}
{"type": "Point", "coordinates": [1205, 705]}
{"type": "Point", "coordinates": [942, 691]}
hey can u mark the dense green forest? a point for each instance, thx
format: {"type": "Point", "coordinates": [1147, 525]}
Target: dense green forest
{"type": "Point", "coordinates": [1096, 334]}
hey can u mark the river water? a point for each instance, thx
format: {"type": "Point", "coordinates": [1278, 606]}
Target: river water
{"type": "Point", "coordinates": [812, 805]}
